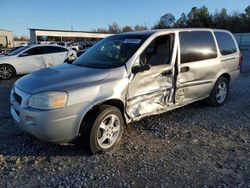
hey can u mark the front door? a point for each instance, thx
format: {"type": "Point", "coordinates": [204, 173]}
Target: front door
{"type": "Point", "coordinates": [151, 88]}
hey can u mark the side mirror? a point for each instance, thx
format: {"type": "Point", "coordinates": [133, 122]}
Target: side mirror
{"type": "Point", "coordinates": [138, 68]}
{"type": "Point", "coordinates": [24, 54]}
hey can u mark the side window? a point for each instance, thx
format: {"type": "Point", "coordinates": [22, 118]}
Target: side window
{"type": "Point", "coordinates": [226, 43]}
{"type": "Point", "coordinates": [54, 49]}
{"type": "Point", "coordinates": [197, 46]}
{"type": "Point", "coordinates": [63, 49]}
{"type": "Point", "coordinates": [159, 51]}
{"type": "Point", "coordinates": [35, 51]}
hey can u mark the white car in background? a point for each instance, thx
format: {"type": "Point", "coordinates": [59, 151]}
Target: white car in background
{"type": "Point", "coordinates": [70, 45]}
{"type": "Point", "coordinates": [30, 58]}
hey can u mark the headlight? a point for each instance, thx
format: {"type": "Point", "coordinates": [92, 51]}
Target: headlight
{"type": "Point", "coordinates": [48, 100]}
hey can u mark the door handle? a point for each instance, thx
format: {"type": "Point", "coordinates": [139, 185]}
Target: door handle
{"type": "Point", "coordinates": [167, 73]}
{"type": "Point", "coordinates": [185, 69]}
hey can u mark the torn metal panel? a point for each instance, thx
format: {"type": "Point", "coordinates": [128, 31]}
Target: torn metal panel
{"type": "Point", "coordinates": [148, 103]}
{"type": "Point", "coordinates": [179, 96]}
{"type": "Point", "coordinates": [149, 91]}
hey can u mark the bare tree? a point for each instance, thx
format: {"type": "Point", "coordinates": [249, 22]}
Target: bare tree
{"type": "Point", "coordinates": [22, 38]}
{"type": "Point", "coordinates": [127, 28]}
{"type": "Point", "coordinates": [102, 30]}
{"type": "Point", "coordinates": [140, 28]}
{"type": "Point", "coordinates": [168, 20]}
{"type": "Point", "coordinates": [114, 28]}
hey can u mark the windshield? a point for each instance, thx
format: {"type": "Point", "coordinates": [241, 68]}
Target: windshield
{"type": "Point", "coordinates": [17, 51]}
{"type": "Point", "coordinates": [111, 52]}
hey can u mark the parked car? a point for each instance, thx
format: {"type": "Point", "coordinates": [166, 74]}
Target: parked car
{"type": "Point", "coordinates": [30, 58]}
{"type": "Point", "coordinates": [24, 44]}
{"type": "Point", "coordinates": [122, 79]}
{"type": "Point", "coordinates": [70, 45]}
{"type": "Point", "coordinates": [78, 54]}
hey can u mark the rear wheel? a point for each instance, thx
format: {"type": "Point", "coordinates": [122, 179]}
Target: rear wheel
{"type": "Point", "coordinates": [7, 72]}
{"type": "Point", "coordinates": [219, 93]}
{"type": "Point", "coordinates": [103, 128]}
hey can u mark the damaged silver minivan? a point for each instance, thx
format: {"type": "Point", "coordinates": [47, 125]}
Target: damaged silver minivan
{"type": "Point", "coordinates": [122, 79]}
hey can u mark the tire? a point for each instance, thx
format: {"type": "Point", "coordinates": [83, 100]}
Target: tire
{"type": "Point", "coordinates": [7, 72]}
{"type": "Point", "coordinates": [219, 93]}
{"type": "Point", "coordinates": [102, 129]}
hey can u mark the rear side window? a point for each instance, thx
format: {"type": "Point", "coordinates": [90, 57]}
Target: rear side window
{"type": "Point", "coordinates": [35, 51]}
{"type": "Point", "coordinates": [54, 49]}
{"type": "Point", "coordinates": [226, 43]}
{"type": "Point", "coordinates": [197, 46]}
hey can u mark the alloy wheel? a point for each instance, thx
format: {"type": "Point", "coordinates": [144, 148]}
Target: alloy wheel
{"type": "Point", "coordinates": [5, 72]}
{"type": "Point", "coordinates": [108, 131]}
{"type": "Point", "coordinates": [221, 92]}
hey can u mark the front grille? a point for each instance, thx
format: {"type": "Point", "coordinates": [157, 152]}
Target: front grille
{"type": "Point", "coordinates": [17, 98]}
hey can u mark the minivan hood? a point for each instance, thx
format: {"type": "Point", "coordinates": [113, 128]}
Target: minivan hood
{"type": "Point", "coordinates": [60, 78]}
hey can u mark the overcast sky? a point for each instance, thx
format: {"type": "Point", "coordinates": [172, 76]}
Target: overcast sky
{"type": "Point", "coordinates": [86, 15]}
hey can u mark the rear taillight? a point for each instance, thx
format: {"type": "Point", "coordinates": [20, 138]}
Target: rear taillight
{"type": "Point", "coordinates": [240, 61]}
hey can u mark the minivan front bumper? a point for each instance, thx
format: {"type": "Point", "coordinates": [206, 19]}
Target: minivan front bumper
{"type": "Point", "coordinates": [60, 125]}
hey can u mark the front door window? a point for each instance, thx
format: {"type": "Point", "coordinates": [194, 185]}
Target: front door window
{"type": "Point", "coordinates": [151, 87]}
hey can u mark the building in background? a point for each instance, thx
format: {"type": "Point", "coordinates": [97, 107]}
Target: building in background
{"type": "Point", "coordinates": [49, 35]}
{"type": "Point", "coordinates": [6, 38]}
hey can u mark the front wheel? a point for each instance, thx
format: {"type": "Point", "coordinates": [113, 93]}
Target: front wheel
{"type": "Point", "coordinates": [219, 93]}
{"type": "Point", "coordinates": [103, 128]}
{"type": "Point", "coordinates": [7, 72]}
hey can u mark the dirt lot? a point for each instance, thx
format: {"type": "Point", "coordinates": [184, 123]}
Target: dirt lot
{"type": "Point", "coordinates": [195, 146]}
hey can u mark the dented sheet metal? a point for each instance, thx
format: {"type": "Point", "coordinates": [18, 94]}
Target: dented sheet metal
{"type": "Point", "coordinates": [148, 103]}
{"type": "Point", "coordinates": [179, 96]}
{"type": "Point", "coordinates": [149, 92]}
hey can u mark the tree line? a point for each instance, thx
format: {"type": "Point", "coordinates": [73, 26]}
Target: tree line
{"type": "Point", "coordinates": [115, 28]}
{"type": "Point", "coordinates": [22, 38]}
{"type": "Point", "coordinates": [196, 18]}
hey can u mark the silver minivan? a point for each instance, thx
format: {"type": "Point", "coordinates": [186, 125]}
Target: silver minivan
{"type": "Point", "coordinates": [124, 78]}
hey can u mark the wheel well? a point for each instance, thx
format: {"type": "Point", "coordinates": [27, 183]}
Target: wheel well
{"type": "Point", "coordinates": [113, 102]}
{"type": "Point", "coordinates": [227, 76]}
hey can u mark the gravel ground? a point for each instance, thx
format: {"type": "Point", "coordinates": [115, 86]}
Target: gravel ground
{"type": "Point", "coordinates": [194, 146]}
